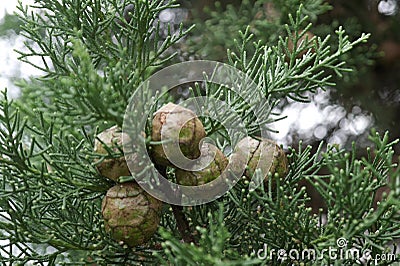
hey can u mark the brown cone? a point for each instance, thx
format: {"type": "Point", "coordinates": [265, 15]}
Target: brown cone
{"type": "Point", "coordinates": [260, 152]}
{"type": "Point", "coordinates": [168, 120]}
{"type": "Point", "coordinates": [209, 173]}
{"type": "Point", "coordinates": [111, 168]}
{"type": "Point", "coordinates": [130, 214]}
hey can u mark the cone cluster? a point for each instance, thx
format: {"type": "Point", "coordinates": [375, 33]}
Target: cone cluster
{"type": "Point", "coordinates": [131, 215]}
{"type": "Point", "coordinates": [180, 125]}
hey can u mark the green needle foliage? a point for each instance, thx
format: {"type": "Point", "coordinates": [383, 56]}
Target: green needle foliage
{"type": "Point", "coordinates": [94, 56]}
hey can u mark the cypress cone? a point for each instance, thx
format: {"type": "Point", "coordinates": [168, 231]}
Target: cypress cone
{"type": "Point", "coordinates": [130, 214]}
{"type": "Point", "coordinates": [111, 168]}
{"type": "Point", "coordinates": [259, 150]}
{"type": "Point", "coordinates": [174, 121]}
{"type": "Point", "coordinates": [209, 173]}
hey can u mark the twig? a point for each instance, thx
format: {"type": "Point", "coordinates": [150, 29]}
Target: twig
{"type": "Point", "coordinates": [181, 221]}
{"type": "Point", "coordinates": [182, 224]}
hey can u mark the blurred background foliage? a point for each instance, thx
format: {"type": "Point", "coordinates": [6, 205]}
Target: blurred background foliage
{"type": "Point", "coordinates": [9, 24]}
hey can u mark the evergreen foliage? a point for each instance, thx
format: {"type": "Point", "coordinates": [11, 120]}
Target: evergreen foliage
{"type": "Point", "coordinates": [94, 58]}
